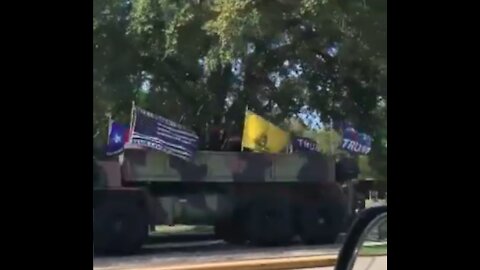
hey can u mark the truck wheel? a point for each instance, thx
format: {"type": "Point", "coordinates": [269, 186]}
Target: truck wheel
{"type": "Point", "coordinates": [229, 231]}
{"type": "Point", "coordinates": [321, 224]}
{"type": "Point", "coordinates": [119, 228]}
{"type": "Point", "coordinates": [269, 222]}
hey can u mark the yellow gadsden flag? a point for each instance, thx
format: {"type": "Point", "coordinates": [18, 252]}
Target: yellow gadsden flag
{"type": "Point", "coordinates": [260, 135]}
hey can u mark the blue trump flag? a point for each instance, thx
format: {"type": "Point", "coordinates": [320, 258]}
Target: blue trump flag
{"type": "Point", "coordinates": [156, 132]}
{"type": "Point", "coordinates": [117, 137]}
{"type": "Point", "coordinates": [355, 142]}
{"type": "Point", "coordinates": [302, 144]}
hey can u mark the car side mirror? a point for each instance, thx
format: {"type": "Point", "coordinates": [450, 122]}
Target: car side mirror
{"type": "Point", "coordinates": [365, 246]}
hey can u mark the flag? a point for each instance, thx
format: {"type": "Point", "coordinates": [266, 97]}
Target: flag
{"type": "Point", "coordinates": [302, 144]}
{"type": "Point", "coordinates": [355, 142]}
{"type": "Point", "coordinates": [117, 137]}
{"type": "Point", "coordinates": [262, 136]}
{"type": "Point", "coordinates": [156, 132]}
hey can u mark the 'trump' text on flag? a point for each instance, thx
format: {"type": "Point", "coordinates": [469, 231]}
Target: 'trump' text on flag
{"type": "Point", "coordinates": [355, 142]}
{"type": "Point", "coordinates": [302, 144]}
{"type": "Point", "coordinates": [156, 132]}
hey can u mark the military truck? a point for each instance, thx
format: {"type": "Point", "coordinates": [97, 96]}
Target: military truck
{"type": "Point", "coordinates": [255, 198]}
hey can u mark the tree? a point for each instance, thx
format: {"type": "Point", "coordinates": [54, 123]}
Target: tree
{"type": "Point", "coordinates": [203, 62]}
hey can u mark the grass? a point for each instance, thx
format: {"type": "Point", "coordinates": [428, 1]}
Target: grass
{"type": "Point", "coordinates": [377, 250]}
{"type": "Point", "coordinates": [182, 229]}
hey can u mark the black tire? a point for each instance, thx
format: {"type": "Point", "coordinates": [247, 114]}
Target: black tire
{"type": "Point", "coordinates": [382, 231]}
{"type": "Point", "coordinates": [119, 228]}
{"type": "Point", "coordinates": [230, 229]}
{"type": "Point", "coordinates": [321, 224]}
{"type": "Point", "coordinates": [269, 222]}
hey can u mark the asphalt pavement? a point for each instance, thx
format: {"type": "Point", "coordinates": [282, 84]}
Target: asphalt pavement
{"type": "Point", "coordinates": [206, 252]}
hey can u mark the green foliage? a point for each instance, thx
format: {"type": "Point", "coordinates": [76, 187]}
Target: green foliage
{"type": "Point", "coordinates": [203, 62]}
{"type": "Point", "coordinates": [366, 170]}
{"type": "Point", "coordinates": [233, 23]}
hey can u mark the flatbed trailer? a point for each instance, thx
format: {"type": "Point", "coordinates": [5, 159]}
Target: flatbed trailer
{"type": "Point", "coordinates": [256, 198]}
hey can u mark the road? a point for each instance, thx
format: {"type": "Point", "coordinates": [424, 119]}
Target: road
{"type": "Point", "coordinates": [167, 252]}
{"type": "Point", "coordinates": [206, 251]}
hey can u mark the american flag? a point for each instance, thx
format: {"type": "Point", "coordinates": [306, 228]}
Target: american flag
{"type": "Point", "coordinates": [156, 132]}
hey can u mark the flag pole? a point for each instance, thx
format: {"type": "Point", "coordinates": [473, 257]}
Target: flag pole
{"type": "Point", "coordinates": [244, 120]}
{"type": "Point", "coordinates": [331, 131]}
{"type": "Point", "coordinates": [109, 130]}
{"type": "Point", "coordinates": [132, 121]}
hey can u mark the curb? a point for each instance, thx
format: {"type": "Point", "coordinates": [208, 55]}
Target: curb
{"type": "Point", "coordinates": [257, 264]}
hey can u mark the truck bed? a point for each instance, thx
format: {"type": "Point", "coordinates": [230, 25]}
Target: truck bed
{"type": "Point", "coordinates": [218, 167]}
